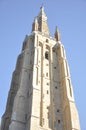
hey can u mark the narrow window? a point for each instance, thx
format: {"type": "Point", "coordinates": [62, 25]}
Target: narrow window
{"type": "Point", "coordinates": [55, 87]}
{"type": "Point", "coordinates": [46, 74]}
{"type": "Point", "coordinates": [47, 83]}
{"type": "Point", "coordinates": [46, 55]}
{"type": "Point", "coordinates": [58, 110]}
{"type": "Point", "coordinates": [47, 92]}
{"type": "Point", "coordinates": [58, 121]}
{"type": "Point", "coordinates": [47, 40]}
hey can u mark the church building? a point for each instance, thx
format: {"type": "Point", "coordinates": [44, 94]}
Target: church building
{"type": "Point", "coordinates": [41, 93]}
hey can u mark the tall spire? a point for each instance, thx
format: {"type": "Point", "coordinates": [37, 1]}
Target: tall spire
{"type": "Point", "coordinates": [42, 22]}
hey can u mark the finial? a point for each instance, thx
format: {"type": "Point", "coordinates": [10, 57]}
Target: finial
{"type": "Point", "coordinates": [35, 20]}
{"type": "Point", "coordinates": [57, 34]}
{"type": "Point", "coordinates": [42, 6]}
{"type": "Point", "coordinates": [35, 25]}
{"type": "Point", "coordinates": [57, 29]}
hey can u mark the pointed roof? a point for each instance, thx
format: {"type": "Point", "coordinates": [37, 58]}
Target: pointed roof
{"type": "Point", "coordinates": [57, 34]}
{"type": "Point", "coordinates": [57, 30]}
{"type": "Point", "coordinates": [42, 22]}
{"type": "Point", "coordinates": [42, 12]}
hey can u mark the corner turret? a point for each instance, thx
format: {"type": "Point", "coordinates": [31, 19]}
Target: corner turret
{"type": "Point", "coordinates": [57, 34]}
{"type": "Point", "coordinates": [35, 25]}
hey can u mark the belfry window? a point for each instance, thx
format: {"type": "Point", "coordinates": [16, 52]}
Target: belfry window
{"type": "Point", "coordinates": [47, 55]}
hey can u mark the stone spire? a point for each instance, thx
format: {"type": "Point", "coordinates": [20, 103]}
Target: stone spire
{"type": "Point", "coordinates": [57, 34]}
{"type": "Point", "coordinates": [42, 22]}
{"type": "Point", "coordinates": [35, 25]}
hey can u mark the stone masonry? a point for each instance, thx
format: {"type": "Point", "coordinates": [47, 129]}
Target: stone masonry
{"type": "Point", "coordinates": [41, 94]}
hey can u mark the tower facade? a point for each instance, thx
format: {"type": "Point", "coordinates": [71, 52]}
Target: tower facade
{"type": "Point", "coordinates": [41, 94]}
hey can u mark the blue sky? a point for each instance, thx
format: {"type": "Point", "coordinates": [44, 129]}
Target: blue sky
{"type": "Point", "coordinates": [16, 17]}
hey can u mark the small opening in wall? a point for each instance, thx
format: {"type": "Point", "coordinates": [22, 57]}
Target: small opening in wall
{"type": "Point", "coordinates": [47, 83]}
{"type": "Point", "coordinates": [54, 67]}
{"type": "Point", "coordinates": [47, 92]}
{"type": "Point", "coordinates": [47, 55]}
{"type": "Point", "coordinates": [55, 87]}
{"type": "Point", "coordinates": [58, 110]}
{"type": "Point", "coordinates": [46, 74]}
{"type": "Point", "coordinates": [58, 121]}
{"type": "Point", "coordinates": [47, 40]}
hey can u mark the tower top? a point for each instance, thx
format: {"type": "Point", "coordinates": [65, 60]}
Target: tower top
{"type": "Point", "coordinates": [42, 22]}
{"type": "Point", "coordinates": [42, 12]}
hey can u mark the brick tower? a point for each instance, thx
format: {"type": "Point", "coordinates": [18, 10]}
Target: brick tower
{"type": "Point", "coordinates": [41, 94]}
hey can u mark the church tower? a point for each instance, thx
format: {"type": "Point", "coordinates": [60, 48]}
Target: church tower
{"type": "Point", "coordinates": [41, 94]}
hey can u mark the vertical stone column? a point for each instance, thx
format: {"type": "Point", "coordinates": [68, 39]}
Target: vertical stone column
{"type": "Point", "coordinates": [42, 86]}
{"type": "Point", "coordinates": [64, 72]}
{"type": "Point", "coordinates": [52, 118]}
{"type": "Point", "coordinates": [71, 120]}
